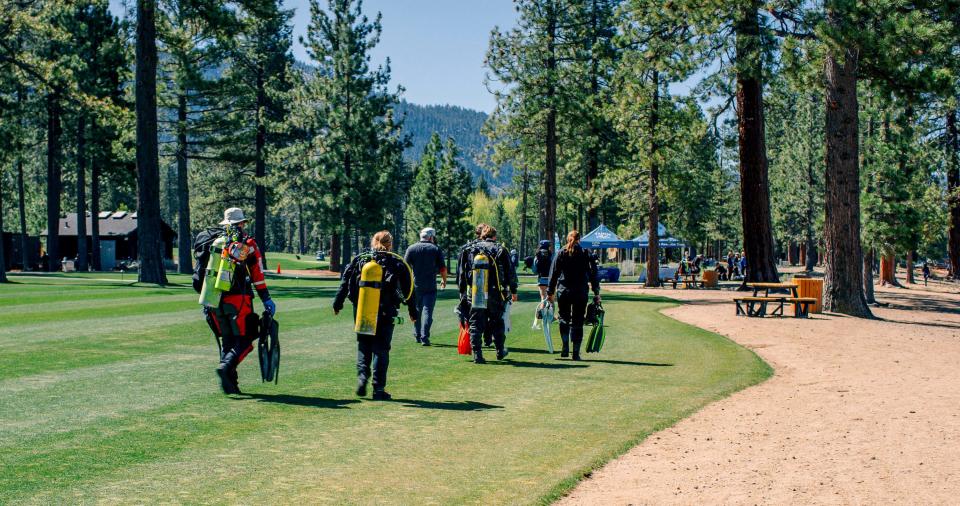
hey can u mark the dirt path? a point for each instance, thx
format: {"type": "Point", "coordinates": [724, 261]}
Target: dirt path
{"type": "Point", "coordinates": [858, 412]}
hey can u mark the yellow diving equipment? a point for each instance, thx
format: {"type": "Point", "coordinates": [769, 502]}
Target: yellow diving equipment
{"type": "Point", "coordinates": [210, 294]}
{"type": "Point", "coordinates": [225, 271]}
{"type": "Point", "coordinates": [481, 281]}
{"type": "Point", "coordinates": [368, 302]}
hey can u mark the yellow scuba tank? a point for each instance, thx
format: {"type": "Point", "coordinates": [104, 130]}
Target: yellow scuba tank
{"type": "Point", "coordinates": [368, 301]}
{"type": "Point", "coordinates": [210, 294]}
{"type": "Point", "coordinates": [225, 272]}
{"type": "Point", "coordinates": [481, 281]}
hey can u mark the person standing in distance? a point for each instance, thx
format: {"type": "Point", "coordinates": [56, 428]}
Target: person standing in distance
{"type": "Point", "coordinates": [426, 260]}
{"type": "Point", "coordinates": [395, 287]}
{"type": "Point", "coordinates": [574, 273]}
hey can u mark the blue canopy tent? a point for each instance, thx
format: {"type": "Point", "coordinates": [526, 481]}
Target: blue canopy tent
{"type": "Point", "coordinates": [666, 241]}
{"type": "Point", "coordinates": [604, 238]}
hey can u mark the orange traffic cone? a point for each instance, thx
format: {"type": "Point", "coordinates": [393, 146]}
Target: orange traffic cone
{"type": "Point", "coordinates": [278, 267]}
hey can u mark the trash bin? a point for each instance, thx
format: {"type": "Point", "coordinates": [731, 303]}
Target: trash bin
{"type": "Point", "coordinates": [810, 287]}
{"type": "Point", "coordinates": [710, 278]}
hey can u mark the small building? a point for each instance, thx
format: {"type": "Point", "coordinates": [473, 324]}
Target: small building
{"type": "Point", "coordinates": [118, 237]}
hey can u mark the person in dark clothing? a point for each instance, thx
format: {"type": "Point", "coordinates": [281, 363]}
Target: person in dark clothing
{"type": "Point", "coordinates": [426, 260]}
{"type": "Point", "coordinates": [926, 273]}
{"type": "Point", "coordinates": [396, 288]}
{"type": "Point", "coordinates": [721, 272]}
{"type": "Point", "coordinates": [488, 297]}
{"type": "Point", "coordinates": [574, 273]}
{"type": "Point", "coordinates": [542, 261]}
{"type": "Point", "coordinates": [233, 320]}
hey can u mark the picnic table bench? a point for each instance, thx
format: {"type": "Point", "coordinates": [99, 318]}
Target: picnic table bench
{"type": "Point", "coordinates": [757, 305]}
{"type": "Point", "coordinates": [687, 280]}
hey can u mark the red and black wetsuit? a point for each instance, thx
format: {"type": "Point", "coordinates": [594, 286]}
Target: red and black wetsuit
{"type": "Point", "coordinates": [234, 319]}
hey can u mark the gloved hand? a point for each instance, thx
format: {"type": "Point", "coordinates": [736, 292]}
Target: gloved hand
{"type": "Point", "coordinates": [270, 306]}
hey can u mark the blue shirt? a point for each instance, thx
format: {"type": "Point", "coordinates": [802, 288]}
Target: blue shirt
{"type": "Point", "coordinates": [426, 260]}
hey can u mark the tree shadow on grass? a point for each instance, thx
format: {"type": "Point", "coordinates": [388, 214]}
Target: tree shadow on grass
{"type": "Point", "coordinates": [299, 400]}
{"type": "Point", "coordinates": [625, 362]}
{"type": "Point", "coordinates": [511, 348]}
{"type": "Point", "coordinates": [447, 405]}
{"type": "Point", "coordinates": [539, 365]}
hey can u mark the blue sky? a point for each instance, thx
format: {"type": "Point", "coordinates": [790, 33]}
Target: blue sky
{"type": "Point", "coordinates": [436, 47]}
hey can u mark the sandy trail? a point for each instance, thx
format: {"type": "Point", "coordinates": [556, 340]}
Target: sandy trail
{"type": "Point", "coordinates": [858, 412]}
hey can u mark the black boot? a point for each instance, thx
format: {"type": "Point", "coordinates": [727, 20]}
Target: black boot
{"type": "Point", "coordinates": [361, 387]}
{"type": "Point", "coordinates": [478, 356]}
{"type": "Point", "coordinates": [502, 353]}
{"type": "Point", "coordinates": [381, 395]}
{"type": "Point", "coordinates": [227, 383]}
{"type": "Point", "coordinates": [565, 337]}
{"type": "Point", "coordinates": [577, 337]}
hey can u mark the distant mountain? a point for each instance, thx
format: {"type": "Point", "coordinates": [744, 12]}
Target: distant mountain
{"type": "Point", "coordinates": [420, 121]}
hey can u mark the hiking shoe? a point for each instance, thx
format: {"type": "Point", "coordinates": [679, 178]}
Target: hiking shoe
{"type": "Point", "coordinates": [226, 381]}
{"type": "Point", "coordinates": [425, 341]}
{"type": "Point", "coordinates": [479, 360]}
{"type": "Point", "coordinates": [382, 395]}
{"type": "Point", "coordinates": [576, 356]}
{"type": "Point", "coordinates": [418, 339]}
{"type": "Point", "coordinates": [502, 354]}
{"type": "Point", "coordinates": [361, 388]}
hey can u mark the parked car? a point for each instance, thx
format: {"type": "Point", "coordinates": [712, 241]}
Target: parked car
{"type": "Point", "coordinates": [610, 274]}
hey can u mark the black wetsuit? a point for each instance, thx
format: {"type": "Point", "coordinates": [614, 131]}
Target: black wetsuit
{"type": "Point", "coordinates": [574, 273]}
{"type": "Point", "coordinates": [396, 289]}
{"type": "Point", "coordinates": [503, 283]}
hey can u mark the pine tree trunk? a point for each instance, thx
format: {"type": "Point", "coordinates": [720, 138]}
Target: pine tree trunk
{"type": "Point", "coordinates": [754, 185]}
{"type": "Point", "coordinates": [3, 258]}
{"type": "Point", "coordinates": [184, 234]}
{"type": "Point", "coordinates": [335, 264]}
{"type": "Point", "coordinates": [888, 271]}
{"type": "Point", "coordinates": [261, 168]}
{"type": "Point", "coordinates": [95, 205]}
{"type": "Point", "coordinates": [868, 292]}
{"type": "Point", "coordinates": [843, 281]}
{"type": "Point", "coordinates": [54, 183]}
{"type": "Point", "coordinates": [953, 195]}
{"type": "Point", "coordinates": [910, 278]}
{"type": "Point", "coordinates": [346, 244]}
{"type": "Point", "coordinates": [302, 228]}
{"type": "Point", "coordinates": [523, 215]}
{"type": "Point", "coordinates": [653, 204]}
{"type": "Point", "coordinates": [812, 255]}
{"type": "Point", "coordinates": [82, 258]}
{"type": "Point", "coordinates": [549, 210]}
{"type": "Point", "coordinates": [149, 240]}
{"type": "Point", "coordinates": [593, 155]}
{"type": "Point", "coordinates": [22, 207]}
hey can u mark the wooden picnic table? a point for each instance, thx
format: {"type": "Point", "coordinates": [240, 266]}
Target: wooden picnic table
{"type": "Point", "coordinates": [766, 287]}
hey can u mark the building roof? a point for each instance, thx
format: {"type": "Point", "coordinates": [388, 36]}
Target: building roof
{"type": "Point", "coordinates": [112, 224]}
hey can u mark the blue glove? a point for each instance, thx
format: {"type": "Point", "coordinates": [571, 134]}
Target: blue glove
{"type": "Point", "coordinates": [270, 306]}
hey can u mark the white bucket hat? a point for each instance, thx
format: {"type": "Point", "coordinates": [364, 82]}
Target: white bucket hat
{"type": "Point", "coordinates": [427, 233]}
{"type": "Point", "coordinates": [233, 216]}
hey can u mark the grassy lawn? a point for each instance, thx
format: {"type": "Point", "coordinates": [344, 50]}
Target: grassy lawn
{"type": "Point", "coordinates": [108, 395]}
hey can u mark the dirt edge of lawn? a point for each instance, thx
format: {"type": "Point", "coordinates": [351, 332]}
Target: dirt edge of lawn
{"type": "Point", "coordinates": [564, 487]}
